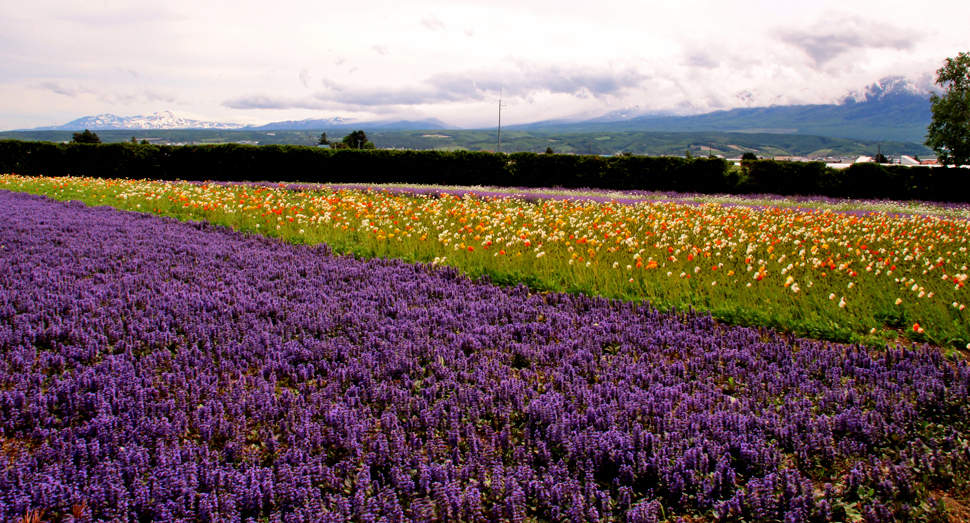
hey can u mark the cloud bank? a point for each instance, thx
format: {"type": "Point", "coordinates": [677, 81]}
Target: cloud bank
{"type": "Point", "coordinates": [521, 79]}
{"type": "Point", "coordinates": [827, 40]}
{"type": "Point", "coordinates": [237, 61]}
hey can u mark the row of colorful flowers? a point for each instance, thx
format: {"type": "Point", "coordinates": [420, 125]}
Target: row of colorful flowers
{"type": "Point", "coordinates": [855, 275]}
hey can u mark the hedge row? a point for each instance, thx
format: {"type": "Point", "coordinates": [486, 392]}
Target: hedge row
{"type": "Point", "coordinates": [861, 180]}
{"type": "Point", "coordinates": [293, 163]}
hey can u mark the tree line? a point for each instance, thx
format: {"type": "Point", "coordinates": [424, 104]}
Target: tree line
{"type": "Point", "coordinates": [354, 140]}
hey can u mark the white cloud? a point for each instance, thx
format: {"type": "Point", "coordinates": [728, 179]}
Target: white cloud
{"type": "Point", "coordinates": [57, 88]}
{"type": "Point", "coordinates": [109, 95]}
{"type": "Point", "coordinates": [522, 79]}
{"type": "Point", "coordinates": [124, 16]}
{"type": "Point", "coordinates": [159, 95]}
{"type": "Point", "coordinates": [833, 37]}
{"type": "Point", "coordinates": [432, 23]}
{"type": "Point", "coordinates": [65, 58]}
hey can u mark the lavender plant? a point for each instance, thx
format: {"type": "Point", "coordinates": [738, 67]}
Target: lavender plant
{"type": "Point", "coordinates": [155, 370]}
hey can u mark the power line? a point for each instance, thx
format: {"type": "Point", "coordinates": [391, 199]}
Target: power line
{"type": "Point", "coordinates": [500, 106]}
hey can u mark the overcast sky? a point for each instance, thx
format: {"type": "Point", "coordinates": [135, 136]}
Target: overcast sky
{"type": "Point", "coordinates": [258, 62]}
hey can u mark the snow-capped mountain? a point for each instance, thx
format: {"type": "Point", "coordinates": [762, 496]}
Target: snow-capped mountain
{"type": "Point", "coordinates": [169, 120]}
{"type": "Point", "coordinates": [890, 86]}
{"type": "Point", "coordinates": [159, 120]}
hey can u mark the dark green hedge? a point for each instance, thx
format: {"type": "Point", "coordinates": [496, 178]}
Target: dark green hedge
{"type": "Point", "coordinates": [859, 180]}
{"type": "Point", "coordinates": [294, 163]}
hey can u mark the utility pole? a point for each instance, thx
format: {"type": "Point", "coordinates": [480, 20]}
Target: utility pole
{"type": "Point", "coordinates": [500, 106]}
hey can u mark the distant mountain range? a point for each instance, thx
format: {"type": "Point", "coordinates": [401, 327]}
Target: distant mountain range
{"type": "Point", "coordinates": [428, 124]}
{"type": "Point", "coordinates": [309, 123]}
{"type": "Point", "coordinates": [170, 120]}
{"type": "Point", "coordinates": [891, 109]}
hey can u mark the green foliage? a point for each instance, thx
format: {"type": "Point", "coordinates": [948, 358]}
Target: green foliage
{"type": "Point", "coordinates": [688, 155]}
{"type": "Point", "coordinates": [86, 137]}
{"type": "Point", "coordinates": [871, 180]}
{"type": "Point", "coordinates": [549, 150]}
{"type": "Point", "coordinates": [949, 132]}
{"type": "Point", "coordinates": [880, 158]}
{"type": "Point", "coordinates": [293, 163]}
{"type": "Point", "coordinates": [786, 178]}
{"type": "Point", "coordinates": [357, 140]}
{"type": "Point", "coordinates": [748, 155]}
{"type": "Point", "coordinates": [323, 140]}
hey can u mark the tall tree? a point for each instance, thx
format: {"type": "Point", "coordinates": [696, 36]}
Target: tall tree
{"type": "Point", "coordinates": [323, 140]}
{"type": "Point", "coordinates": [949, 131]}
{"type": "Point", "coordinates": [357, 140]}
{"type": "Point", "coordinates": [85, 137]}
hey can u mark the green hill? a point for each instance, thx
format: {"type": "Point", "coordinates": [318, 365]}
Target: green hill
{"type": "Point", "coordinates": [598, 142]}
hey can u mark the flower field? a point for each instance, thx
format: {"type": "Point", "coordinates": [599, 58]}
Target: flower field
{"type": "Point", "coordinates": [157, 370]}
{"type": "Point", "coordinates": [863, 276]}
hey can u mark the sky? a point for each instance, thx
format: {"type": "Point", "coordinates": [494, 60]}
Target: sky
{"type": "Point", "coordinates": [252, 62]}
